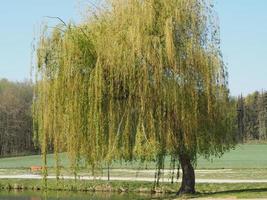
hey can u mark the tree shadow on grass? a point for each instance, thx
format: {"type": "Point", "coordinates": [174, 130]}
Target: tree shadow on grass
{"type": "Point", "coordinates": [231, 192]}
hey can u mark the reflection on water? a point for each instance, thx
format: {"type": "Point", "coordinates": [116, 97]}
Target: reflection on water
{"type": "Point", "coordinates": [73, 196]}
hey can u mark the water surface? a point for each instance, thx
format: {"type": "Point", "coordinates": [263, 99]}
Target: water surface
{"type": "Point", "coordinates": [74, 196]}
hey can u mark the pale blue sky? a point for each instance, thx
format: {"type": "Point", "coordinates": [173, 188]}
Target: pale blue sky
{"type": "Point", "coordinates": [243, 34]}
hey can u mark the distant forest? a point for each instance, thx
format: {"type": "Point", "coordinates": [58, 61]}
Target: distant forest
{"type": "Point", "coordinates": [252, 116]}
{"type": "Point", "coordinates": [15, 118]}
{"type": "Point", "coordinates": [16, 131]}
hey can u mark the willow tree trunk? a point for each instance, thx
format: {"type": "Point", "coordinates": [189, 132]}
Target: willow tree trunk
{"type": "Point", "coordinates": [188, 179]}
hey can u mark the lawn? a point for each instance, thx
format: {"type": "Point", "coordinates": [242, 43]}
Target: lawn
{"type": "Point", "coordinates": [245, 162]}
{"type": "Point", "coordinates": [243, 156]}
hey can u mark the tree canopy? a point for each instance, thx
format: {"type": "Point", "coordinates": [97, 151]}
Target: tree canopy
{"type": "Point", "coordinates": [136, 80]}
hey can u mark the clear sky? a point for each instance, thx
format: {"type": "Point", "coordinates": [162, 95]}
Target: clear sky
{"type": "Point", "coordinates": [243, 35]}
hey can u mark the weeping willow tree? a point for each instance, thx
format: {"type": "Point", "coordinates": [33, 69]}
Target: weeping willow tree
{"type": "Point", "coordinates": [136, 80]}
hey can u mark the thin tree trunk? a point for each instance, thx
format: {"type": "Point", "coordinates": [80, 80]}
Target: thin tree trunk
{"type": "Point", "coordinates": [108, 173]}
{"type": "Point", "coordinates": [188, 179]}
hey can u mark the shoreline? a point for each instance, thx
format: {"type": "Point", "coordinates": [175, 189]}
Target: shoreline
{"type": "Point", "coordinates": [70, 185]}
{"type": "Point", "coordinates": [168, 190]}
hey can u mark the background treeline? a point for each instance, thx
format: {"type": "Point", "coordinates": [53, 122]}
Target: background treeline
{"type": "Point", "coordinates": [16, 118]}
{"type": "Point", "coordinates": [16, 134]}
{"type": "Point", "coordinates": [252, 116]}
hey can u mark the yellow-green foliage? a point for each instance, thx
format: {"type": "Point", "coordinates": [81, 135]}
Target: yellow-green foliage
{"type": "Point", "coordinates": [138, 79]}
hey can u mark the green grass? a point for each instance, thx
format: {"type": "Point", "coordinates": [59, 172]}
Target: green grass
{"type": "Point", "coordinates": [248, 161]}
{"type": "Point", "coordinates": [247, 190]}
{"type": "Point", "coordinates": [244, 156]}
{"type": "Point", "coordinates": [28, 161]}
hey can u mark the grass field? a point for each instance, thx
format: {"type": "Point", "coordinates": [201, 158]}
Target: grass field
{"type": "Point", "coordinates": [245, 162]}
{"type": "Point", "coordinates": [243, 156]}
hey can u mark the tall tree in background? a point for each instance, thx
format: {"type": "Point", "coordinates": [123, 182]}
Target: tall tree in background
{"type": "Point", "coordinates": [137, 80]}
{"type": "Point", "coordinates": [240, 118]}
{"type": "Point", "coordinates": [262, 116]}
{"type": "Point", "coordinates": [251, 119]}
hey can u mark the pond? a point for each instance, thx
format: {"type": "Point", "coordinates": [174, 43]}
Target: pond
{"type": "Point", "coordinates": [75, 196]}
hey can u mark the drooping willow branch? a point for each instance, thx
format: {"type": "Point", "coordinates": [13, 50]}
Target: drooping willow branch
{"type": "Point", "coordinates": [141, 80]}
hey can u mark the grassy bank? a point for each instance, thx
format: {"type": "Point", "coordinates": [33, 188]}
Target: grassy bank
{"type": "Point", "coordinates": [247, 190]}
{"type": "Point", "coordinates": [86, 186]}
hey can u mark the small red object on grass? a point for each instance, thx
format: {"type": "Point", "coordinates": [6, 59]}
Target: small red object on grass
{"type": "Point", "coordinates": [36, 168]}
